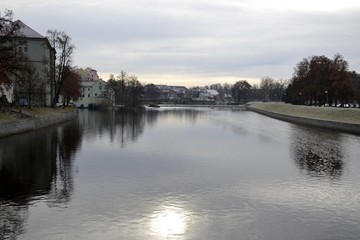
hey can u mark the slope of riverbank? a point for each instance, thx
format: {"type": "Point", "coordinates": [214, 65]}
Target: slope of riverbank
{"type": "Point", "coordinates": [15, 121]}
{"type": "Point", "coordinates": [342, 119]}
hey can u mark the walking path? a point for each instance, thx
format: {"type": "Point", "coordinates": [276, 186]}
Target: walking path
{"type": "Point", "coordinates": [341, 119]}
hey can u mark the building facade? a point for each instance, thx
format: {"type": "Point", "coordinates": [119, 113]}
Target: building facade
{"type": "Point", "coordinates": [92, 73]}
{"type": "Point", "coordinates": [41, 56]}
{"type": "Point", "coordinates": [94, 94]}
{"type": "Point", "coordinates": [88, 74]}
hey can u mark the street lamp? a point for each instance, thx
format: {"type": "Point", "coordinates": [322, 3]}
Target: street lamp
{"type": "Point", "coordinates": [327, 97]}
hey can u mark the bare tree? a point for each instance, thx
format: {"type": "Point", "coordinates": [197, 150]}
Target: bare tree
{"type": "Point", "coordinates": [266, 85]}
{"type": "Point", "coordinates": [241, 91]}
{"type": "Point", "coordinates": [12, 61]}
{"type": "Point", "coordinates": [122, 79]}
{"type": "Point", "coordinates": [134, 88]}
{"type": "Point", "coordinates": [61, 42]}
{"type": "Point", "coordinates": [30, 88]}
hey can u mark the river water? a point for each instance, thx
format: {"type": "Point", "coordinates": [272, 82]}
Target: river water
{"type": "Point", "coordinates": [177, 173]}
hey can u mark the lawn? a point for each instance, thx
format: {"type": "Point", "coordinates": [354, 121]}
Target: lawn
{"type": "Point", "coordinates": [6, 118]}
{"type": "Point", "coordinates": [347, 115]}
{"type": "Point", "coordinates": [40, 112]}
{"type": "Point", "coordinates": [33, 112]}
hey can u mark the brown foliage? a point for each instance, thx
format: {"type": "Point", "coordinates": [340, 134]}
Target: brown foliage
{"type": "Point", "coordinates": [71, 87]}
{"type": "Point", "coordinates": [318, 79]}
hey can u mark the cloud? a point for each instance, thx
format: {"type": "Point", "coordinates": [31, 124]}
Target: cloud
{"type": "Point", "coordinates": [199, 39]}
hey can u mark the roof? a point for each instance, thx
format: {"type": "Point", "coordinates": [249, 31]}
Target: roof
{"type": "Point", "coordinates": [212, 92]}
{"type": "Point", "coordinates": [87, 83]}
{"type": "Point", "coordinates": [91, 83]}
{"type": "Point", "coordinates": [81, 72]}
{"type": "Point", "coordinates": [26, 31]}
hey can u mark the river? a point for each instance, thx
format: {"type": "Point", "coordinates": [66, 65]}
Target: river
{"type": "Point", "coordinates": [180, 173]}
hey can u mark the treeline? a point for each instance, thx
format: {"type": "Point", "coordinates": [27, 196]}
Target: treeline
{"type": "Point", "coordinates": [242, 91]}
{"type": "Point", "coordinates": [318, 80]}
{"type": "Point", "coordinates": [126, 90]}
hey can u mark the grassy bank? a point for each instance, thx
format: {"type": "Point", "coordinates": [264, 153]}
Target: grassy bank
{"type": "Point", "coordinates": [15, 114]}
{"type": "Point", "coordinates": [7, 118]}
{"type": "Point", "coordinates": [344, 115]}
{"type": "Point", "coordinates": [15, 121]}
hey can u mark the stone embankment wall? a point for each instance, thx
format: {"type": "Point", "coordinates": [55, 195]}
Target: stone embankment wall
{"type": "Point", "coordinates": [339, 126]}
{"type": "Point", "coordinates": [30, 124]}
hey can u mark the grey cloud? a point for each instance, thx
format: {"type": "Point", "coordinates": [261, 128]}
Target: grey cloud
{"type": "Point", "coordinates": [206, 38]}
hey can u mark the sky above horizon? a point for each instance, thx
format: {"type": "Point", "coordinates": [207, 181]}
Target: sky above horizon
{"type": "Point", "coordinates": [198, 42]}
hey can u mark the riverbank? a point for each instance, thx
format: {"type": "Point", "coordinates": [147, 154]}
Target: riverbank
{"type": "Point", "coordinates": [15, 121]}
{"type": "Point", "coordinates": [340, 119]}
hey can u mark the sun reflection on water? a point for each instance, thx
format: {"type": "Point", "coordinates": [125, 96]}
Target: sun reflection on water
{"type": "Point", "coordinates": [169, 223]}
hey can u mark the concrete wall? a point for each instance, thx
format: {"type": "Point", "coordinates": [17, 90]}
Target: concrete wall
{"type": "Point", "coordinates": [30, 124]}
{"type": "Point", "coordinates": [339, 126]}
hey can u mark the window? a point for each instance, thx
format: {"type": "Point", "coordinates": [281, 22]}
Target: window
{"type": "Point", "coordinates": [95, 94]}
{"type": "Point", "coordinates": [83, 95]}
{"type": "Point", "coordinates": [88, 95]}
{"type": "Point", "coordinates": [25, 49]}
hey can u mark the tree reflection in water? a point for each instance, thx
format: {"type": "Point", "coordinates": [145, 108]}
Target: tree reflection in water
{"type": "Point", "coordinates": [39, 164]}
{"type": "Point", "coordinates": [124, 126]}
{"type": "Point", "coordinates": [317, 151]}
{"type": "Point", "coordinates": [33, 165]}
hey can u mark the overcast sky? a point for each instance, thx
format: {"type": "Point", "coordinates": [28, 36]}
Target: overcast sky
{"type": "Point", "coordinates": [198, 42]}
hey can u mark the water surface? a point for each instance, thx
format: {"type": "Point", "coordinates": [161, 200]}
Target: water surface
{"type": "Point", "coordinates": [179, 174]}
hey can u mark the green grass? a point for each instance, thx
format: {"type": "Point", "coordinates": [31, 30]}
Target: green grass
{"type": "Point", "coordinates": [347, 115]}
{"type": "Point", "coordinates": [43, 112]}
{"type": "Point", "coordinates": [6, 118]}
{"type": "Point", "coordinates": [33, 112]}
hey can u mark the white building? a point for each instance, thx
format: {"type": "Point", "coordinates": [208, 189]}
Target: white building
{"type": "Point", "coordinates": [94, 94]}
{"type": "Point", "coordinates": [88, 74]}
{"type": "Point", "coordinates": [92, 74]}
{"type": "Point", "coordinates": [208, 94]}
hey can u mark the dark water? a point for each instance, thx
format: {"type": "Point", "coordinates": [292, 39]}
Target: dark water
{"type": "Point", "coordinates": [180, 174]}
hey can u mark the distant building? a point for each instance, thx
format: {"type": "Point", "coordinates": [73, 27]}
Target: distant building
{"type": "Point", "coordinates": [88, 74]}
{"type": "Point", "coordinates": [92, 73]}
{"type": "Point", "coordinates": [94, 94]}
{"type": "Point", "coordinates": [208, 95]}
{"type": "Point", "coordinates": [171, 92]}
{"type": "Point", "coordinates": [6, 95]}
{"type": "Point", "coordinates": [42, 56]}
{"type": "Point", "coordinates": [94, 90]}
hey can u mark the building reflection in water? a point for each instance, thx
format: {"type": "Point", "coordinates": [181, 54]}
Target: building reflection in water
{"type": "Point", "coordinates": [318, 152]}
{"type": "Point", "coordinates": [33, 165]}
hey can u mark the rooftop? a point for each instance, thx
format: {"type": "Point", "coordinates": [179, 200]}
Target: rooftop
{"type": "Point", "coordinates": [26, 31]}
